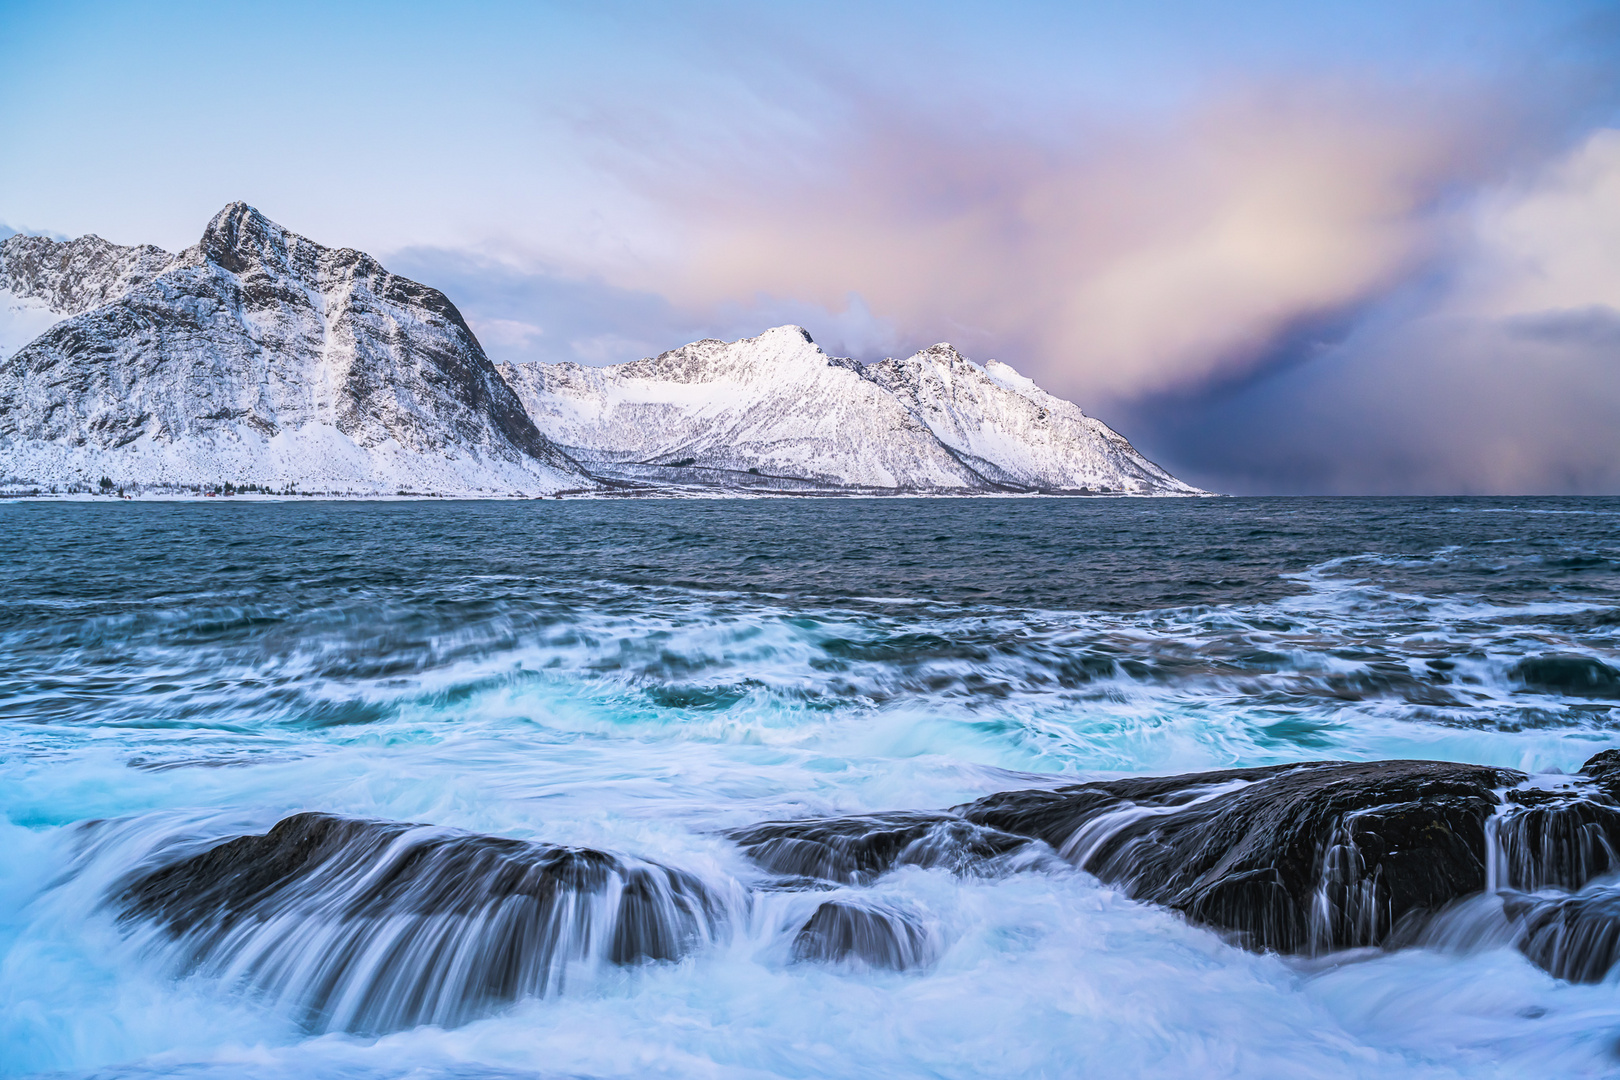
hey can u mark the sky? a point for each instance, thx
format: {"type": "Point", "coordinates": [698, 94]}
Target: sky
{"type": "Point", "coordinates": [1284, 247]}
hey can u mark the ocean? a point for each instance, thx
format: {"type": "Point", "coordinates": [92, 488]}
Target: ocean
{"type": "Point", "coordinates": [641, 677]}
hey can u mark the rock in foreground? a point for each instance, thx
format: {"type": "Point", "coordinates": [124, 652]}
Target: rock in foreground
{"type": "Point", "coordinates": [374, 926]}
{"type": "Point", "coordinates": [873, 935]}
{"type": "Point", "coordinates": [1305, 858]}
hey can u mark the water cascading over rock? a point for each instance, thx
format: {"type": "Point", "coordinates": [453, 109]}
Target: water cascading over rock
{"type": "Point", "coordinates": [1304, 859]}
{"type": "Point", "coordinates": [867, 934]}
{"type": "Point", "coordinates": [372, 926]}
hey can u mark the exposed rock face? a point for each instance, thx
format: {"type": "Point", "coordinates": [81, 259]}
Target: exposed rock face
{"type": "Point", "coordinates": [776, 412]}
{"type": "Point", "coordinates": [375, 926]}
{"type": "Point", "coordinates": [42, 281]}
{"type": "Point", "coordinates": [67, 277]}
{"type": "Point", "coordinates": [256, 356]}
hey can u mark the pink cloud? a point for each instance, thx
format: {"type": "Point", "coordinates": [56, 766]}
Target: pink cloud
{"type": "Point", "coordinates": [1113, 264]}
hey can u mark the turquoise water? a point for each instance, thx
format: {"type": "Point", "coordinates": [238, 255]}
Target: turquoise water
{"type": "Point", "coordinates": [640, 676]}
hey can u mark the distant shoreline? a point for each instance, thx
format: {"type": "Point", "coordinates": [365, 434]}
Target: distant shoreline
{"type": "Point", "coordinates": [590, 496]}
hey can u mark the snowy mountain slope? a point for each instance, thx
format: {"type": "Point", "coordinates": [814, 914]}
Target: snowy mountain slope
{"type": "Point", "coordinates": [774, 403]}
{"type": "Point", "coordinates": [43, 281]}
{"type": "Point", "coordinates": [256, 356]}
{"type": "Point", "coordinates": [1012, 431]}
{"type": "Point", "coordinates": [776, 411]}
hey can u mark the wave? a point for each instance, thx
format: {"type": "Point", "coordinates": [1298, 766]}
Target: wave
{"type": "Point", "coordinates": [1344, 667]}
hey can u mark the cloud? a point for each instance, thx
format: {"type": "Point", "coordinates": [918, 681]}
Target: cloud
{"type": "Point", "coordinates": [1310, 295]}
{"type": "Point", "coordinates": [525, 313]}
{"type": "Point", "coordinates": [1551, 242]}
{"type": "Point", "coordinates": [1110, 262]}
{"type": "Point", "coordinates": [1428, 407]}
{"type": "Point", "coordinates": [1503, 379]}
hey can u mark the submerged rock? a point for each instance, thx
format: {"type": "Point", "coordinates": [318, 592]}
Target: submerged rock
{"type": "Point", "coordinates": [374, 926]}
{"type": "Point", "coordinates": [1574, 937]}
{"type": "Point", "coordinates": [1572, 676]}
{"type": "Point", "coordinates": [855, 850]}
{"type": "Point", "coordinates": [875, 935]}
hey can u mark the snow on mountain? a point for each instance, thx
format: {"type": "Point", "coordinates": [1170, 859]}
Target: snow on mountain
{"type": "Point", "coordinates": [775, 412]}
{"type": "Point", "coordinates": [774, 406]}
{"type": "Point", "coordinates": [256, 356]}
{"type": "Point", "coordinates": [1013, 432]}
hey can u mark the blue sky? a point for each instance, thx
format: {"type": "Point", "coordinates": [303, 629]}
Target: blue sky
{"type": "Point", "coordinates": [1284, 247]}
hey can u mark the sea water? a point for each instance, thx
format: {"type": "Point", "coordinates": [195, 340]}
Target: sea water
{"type": "Point", "coordinates": [639, 677]}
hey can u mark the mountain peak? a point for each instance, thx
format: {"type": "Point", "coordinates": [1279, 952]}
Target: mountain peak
{"type": "Point", "coordinates": [789, 332]}
{"type": "Point", "coordinates": [239, 236]}
{"type": "Point", "coordinates": [775, 413]}
{"type": "Point", "coordinates": [1010, 378]}
{"type": "Point", "coordinates": [942, 350]}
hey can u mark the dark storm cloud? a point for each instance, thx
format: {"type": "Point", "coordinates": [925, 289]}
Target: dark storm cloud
{"type": "Point", "coordinates": [1430, 406]}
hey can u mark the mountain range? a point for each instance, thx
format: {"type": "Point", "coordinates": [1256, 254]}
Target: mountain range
{"type": "Point", "coordinates": [259, 357]}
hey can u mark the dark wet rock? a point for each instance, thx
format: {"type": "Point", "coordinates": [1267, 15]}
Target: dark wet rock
{"type": "Point", "coordinates": [375, 926]}
{"type": "Point", "coordinates": [1558, 839]}
{"type": "Point", "coordinates": [1296, 858]}
{"type": "Point", "coordinates": [1562, 837]}
{"type": "Point", "coordinates": [1574, 937]}
{"type": "Point", "coordinates": [1300, 858]}
{"type": "Point", "coordinates": [869, 934]}
{"type": "Point", "coordinates": [1604, 767]}
{"type": "Point", "coordinates": [1572, 676]}
{"type": "Point", "coordinates": [855, 850]}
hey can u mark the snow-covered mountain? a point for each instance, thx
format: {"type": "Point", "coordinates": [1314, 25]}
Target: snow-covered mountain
{"type": "Point", "coordinates": [776, 412]}
{"type": "Point", "coordinates": [256, 356]}
{"type": "Point", "coordinates": [1013, 432]}
{"type": "Point", "coordinates": [774, 404]}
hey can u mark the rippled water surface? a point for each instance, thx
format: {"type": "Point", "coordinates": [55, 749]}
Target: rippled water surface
{"type": "Point", "coordinates": [640, 677]}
